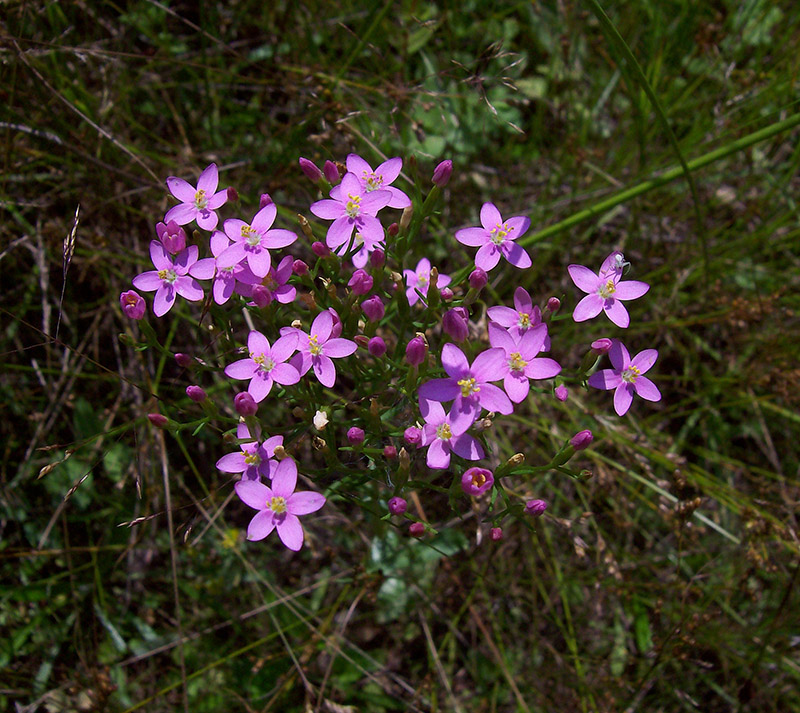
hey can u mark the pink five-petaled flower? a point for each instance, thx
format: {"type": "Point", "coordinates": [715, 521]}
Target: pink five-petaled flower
{"type": "Point", "coordinates": [265, 364]}
{"type": "Point", "coordinates": [171, 277]}
{"type": "Point", "coordinates": [520, 319]}
{"type": "Point", "coordinates": [133, 304]}
{"type": "Point", "coordinates": [253, 460]}
{"type": "Point", "coordinates": [276, 282]}
{"type": "Point", "coordinates": [350, 207]}
{"type": "Point", "coordinates": [468, 385]}
{"type": "Point", "coordinates": [496, 238]}
{"type": "Point", "coordinates": [441, 436]}
{"type": "Point", "coordinates": [227, 280]}
{"type": "Point", "coordinates": [317, 349]}
{"type": "Point", "coordinates": [197, 203]}
{"type": "Point", "coordinates": [279, 506]}
{"type": "Point", "coordinates": [252, 242]}
{"type": "Point", "coordinates": [627, 376]}
{"type": "Point", "coordinates": [418, 281]}
{"type": "Point", "coordinates": [605, 291]}
{"type": "Point", "coordinates": [521, 361]}
{"type": "Point", "coordinates": [379, 179]}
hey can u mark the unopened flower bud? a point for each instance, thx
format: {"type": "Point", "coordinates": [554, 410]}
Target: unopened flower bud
{"type": "Point", "coordinates": [535, 507]}
{"type": "Point", "coordinates": [393, 229]}
{"type": "Point", "coordinates": [264, 200]}
{"type": "Point", "coordinates": [355, 436]}
{"type": "Point", "coordinates": [320, 420]}
{"type": "Point", "coordinates": [133, 304]}
{"type": "Point", "coordinates": [404, 460]}
{"type": "Point", "coordinates": [455, 323]}
{"type": "Point", "coordinates": [416, 529]}
{"type": "Point", "coordinates": [390, 452]}
{"type": "Point", "coordinates": [330, 172]}
{"type": "Point", "coordinates": [446, 294]}
{"type": "Point", "coordinates": [397, 505]}
{"type": "Point", "coordinates": [172, 236]}
{"type": "Point", "coordinates": [581, 440]}
{"type": "Point", "coordinates": [497, 534]}
{"type": "Point", "coordinates": [320, 249]}
{"type": "Point", "coordinates": [516, 459]}
{"type": "Point", "coordinates": [561, 392]}
{"type": "Point", "coordinates": [412, 435]}
{"type": "Point", "coordinates": [158, 420]}
{"type": "Point", "coordinates": [183, 360]}
{"type": "Point", "coordinates": [476, 481]}
{"type": "Point", "coordinates": [336, 329]}
{"type": "Point", "coordinates": [442, 173]}
{"type": "Point", "coordinates": [478, 279]}
{"type": "Point", "coordinates": [601, 346]}
{"type": "Point", "coordinates": [416, 351]}
{"type": "Point", "coordinates": [360, 282]}
{"type": "Point", "coordinates": [244, 404]}
{"type": "Point", "coordinates": [196, 393]}
{"type": "Point", "coordinates": [373, 308]}
{"type": "Point", "coordinates": [310, 169]}
{"type": "Point", "coordinates": [377, 347]}
{"type": "Point", "coordinates": [405, 218]}
{"type": "Point", "coordinates": [261, 296]}
{"type": "Point", "coordinates": [362, 340]}
{"type": "Point", "coordinates": [377, 257]}
{"type": "Point", "coordinates": [233, 194]}
{"type": "Point", "coordinates": [299, 267]}
{"type": "Point", "coordinates": [553, 305]}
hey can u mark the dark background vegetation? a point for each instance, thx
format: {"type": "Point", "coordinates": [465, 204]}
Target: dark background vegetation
{"type": "Point", "coordinates": [667, 582]}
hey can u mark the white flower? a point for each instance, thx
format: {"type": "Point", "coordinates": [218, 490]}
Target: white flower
{"type": "Point", "coordinates": [320, 420]}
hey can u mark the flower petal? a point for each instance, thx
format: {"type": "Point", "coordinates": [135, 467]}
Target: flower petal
{"type": "Point", "coordinates": [623, 397]}
{"type": "Point", "coordinates": [252, 493]}
{"type": "Point", "coordinates": [263, 220]}
{"type": "Point", "coordinates": [284, 479]}
{"type": "Point", "coordinates": [242, 369]}
{"type": "Point", "coordinates": [516, 255]}
{"type": "Point", "coordinates": [631, 289]}
{"type": "Point", "coordinates": [590, 306]}
{"type": "Point", "coordinates": [644, 360]}
{"type": "Point", "coordinates": [492, 398]}
{"type": "Point", "coordinates": [516, 387]}
{"type": "Point", "coordinates": [454, 361]}
{"type": "Point", "coordinates": [285, 374]}
{"type": "Point", "coordinates": [619, 356]}
{"type": "Point", "coordinates": [605, 379]}
{"type": "Point", "coordinates": [338, 348]}
{"type": "Point", "coordinates": [647, 389]}
{"type": "Point", "coordinates": [209, 179]}
{"type": "Point", "coordinates": [440, 390]}
{"type": "Point", "coordinates": [261, 525]}
{"type": "Point", "coordinates": [324, 370]}
{"type": "Point", "coordinates": [472, 237]}
{"type": "Point", "coordinates": [488, 365]}
{"type": "Point", "coordinates": [467, 447]}
{"type": "Point", "coordinates": [617, 313]}
{"type": "Point", "coordinates": [438, 455]}
{"type": "Point", "coordinates": [490, 216]}
{"type": "Point", "coordinates": [290, 531]}
{"type": "Point", "coordinates": [304, 502]}
{"type": "Point", "coordinates": [487, 256]}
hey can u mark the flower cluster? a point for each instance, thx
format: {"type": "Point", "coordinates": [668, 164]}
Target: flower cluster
{"type": "Point", "coordinates": [426, 376]}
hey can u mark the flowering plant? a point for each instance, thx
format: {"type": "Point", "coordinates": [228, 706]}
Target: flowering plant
{"type": "Point", "coordinates": [369, 298]}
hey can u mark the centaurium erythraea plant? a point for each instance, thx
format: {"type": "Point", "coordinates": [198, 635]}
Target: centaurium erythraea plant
{"type": "Point", "coordinates": [197, 203]}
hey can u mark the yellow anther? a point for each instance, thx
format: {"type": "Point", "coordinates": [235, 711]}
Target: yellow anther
{"type": "Point", "coordinates": [444, 432]}
{"type": "Point", "coordinates": [200, 200]}
{"type": "Point", "coordinates": [468, 386]}
{"type": "Point", "coordinates": [630, 374]}
{"type": "Point", "coordinates": [524, 319]}
{"type": "Point", "coordinates": [516, 362]}
{"type": "Point", "coordinates": [252, 458]}
{"type": "Point", "coordinates": [353, 207]}
{"type": "Point", "coordinates": [607, 290]}
{"type": "Point", "coordinates": [277, 504]}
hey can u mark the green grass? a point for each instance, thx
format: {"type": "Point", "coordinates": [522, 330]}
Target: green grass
{"type": "Point", "coordinates": [666, 582]}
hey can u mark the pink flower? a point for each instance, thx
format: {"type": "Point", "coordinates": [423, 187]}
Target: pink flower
{"type": "Point", "coordinates": [468, 386]}
{"type": "Point", "coordinates": [252, 242]}
{"type": "Point", "coordinates": [520, 319]}
{"type": "Point", "coordinates": [521, 362]}
{"type": "Point", "coordinates": [170, 278]}
{"type": "Point", "coordinates": [379, 179]}
{"type": "Point", "coordinates": [319, 348]}
{"type": "Point", "coordinates": [351, 208]}
{"type": "Point", "coordinates": [279, 506]}
{"type": "Point", "coordinates": [265, 364]}
{"type": "Point", "coordinates": [226, 279]}
{"type": "Point", "coordinates": [627, 377]}
{"type": "Point", "coordinates": [275, 282]}
{"type": "Point", "coordinates": [496, 238]}
{"type": "Point", "coordinates": [133, 304]}
{"type": "Point", "coordinates": [442, 435]}
{"type": "Point", "coordinates": [254, 460]}
{"type": "Point", "coordinates": [476, 481]}
{"type": "Point", "coordinates": [172, 236]}
{"type": "Point", "coordinates": [605, 290]}
{"type": "Point", "coordinates": [418, 281]}
{"type": "Point", "coordinates": [197, 203]}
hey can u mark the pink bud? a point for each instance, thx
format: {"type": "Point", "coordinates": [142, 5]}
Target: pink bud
{"type": "Point", "coordinates": [264, 200]}
{"type": "Point", "coordinates": [455, 323]}
{"type": "Point", "coordinates": [535, 507]}
{"type": "Point", "coordinates": [355, 436]}
{"type": "Point", "coordinates": [581, 440]}
{"type": "Point", "coordinates": [320, 249]}
{"type": "Point", "coordinates": [561, 392]}
{"type": "Point", "coordinates": [476, 481]}
{"type": "Point", "coordinates": [331, 172]}
{"type": "Point", "coordinates": [390, 452]}
{"type": "Point", "coordinates": [172, 237]}
{"type": "Point", "coordinates": [497, 534]}
{"type": "Point", "coordinates": [261, 296]}
{"type": "Point", "coordinates": [233, 195]}
{"type": "Point", "coordinates": [416, 529]}
{"type": "Point", "coordinates": [478, 279]}
{"type": "Point", "coordinates": [442, 173]}
{"type": "Point", "coordinates": [183, 360]}
{"type": "Point", "coordinates": [377, 347]}
{"type": "Point", "coordinates": [133, 304]}
{"type": "Point", "coordinates": [553, 304]}
{"type": "Point", "coordinates": [196, 393]}
{"type": "Point", "coordinates": [336, 330]}
{"type": "Point", "coordinates": [393, 229]}
{"type": "Point", "coordinates": [446, 294]}
{"type": "Point", "coordinates": [601, 346]}
{"type": "Point", "coordinates": [244, 404]}
{"type": "Point", "coordinates": [397, 505]}
{"type": "Point", "coordinates": [299, 267]}
{"type": "Point", "coordinates": [360, 282]}
{"type": "Point", "coordinates": [310, 170]}
{"type": "Point", "coordinates": [373, 308]}
{"type": "Point", "coordinates": [362, 340]}
{"type": "Point", "coordinates": [416, 350]}
{"type": "Point", "coordinates": [158, 420]}
{"type": "Point", "coordinates": [412, 435]}
{"type": "Point", "coordinates": [377, 257]}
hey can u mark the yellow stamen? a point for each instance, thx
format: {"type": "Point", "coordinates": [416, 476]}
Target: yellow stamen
{"type": "Point", "coordinates": [468, 386]}
{"type": "Point", "coordinates": [444, 432]}
{"type": "Point", "coordinates": [353, 207]}
{"type": "Point", "coordinates": [200, 200]}
{"type": "Point", "coordinates": [277, 505]}
{"type": "Point", "coordinates": [516, 362]}
{"type": "Point", "coordinates": [607, 290]}
{"type": "Point", "coordinates": [630, 374]}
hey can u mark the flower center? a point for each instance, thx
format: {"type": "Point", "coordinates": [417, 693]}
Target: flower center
{"type": "Point", "coordinates": [250, 236]}
{"type": "Point", "coordinates": [372, 181]}
{"type": "Point", "coordinates": [607, 290]}
{"type": "Point", "coordinates": [443, 431]}
{"type": "Point", "coordinates": [422, 278]}
{"type": "Point", "coordinates": [168, 275]}
{"type": "Point", "coordinates": [270, 283]}
{"type": "Point", "coordinates": [252, 458]}
{"type": "Point", "coordinates": [277, 504]}
{"type": "Point", "coordinates": [353, 207]}
{"type": "Point", "coordinates": [131, 300]}
{"type": "Point", "coordinates": [499, 232]}
{"type": "Point", "coordinates": [630, 374]}
{"type": "Point", "coordinates": [266, 363]}
{"type": "Point", "coordinates": [516, 362]}
{"type": "Point", "coordinates": [200, 200]}
{"type": "Point", "coordinates": [314, 346]}
{"type": "Point", "coordinates": [524, 320]}
{"type": "Point", "coordinates": [478, 479]}
{"type": "Point", "coordinates": [359, 240]}
{"type": "Point", "coordinates": [468, 387]}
